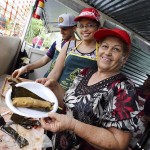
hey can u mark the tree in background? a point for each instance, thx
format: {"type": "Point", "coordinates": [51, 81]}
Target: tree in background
{"type": "Point", "coordinates": [37, 28]}
{"type": "Point", "coordinates": [34, 30]}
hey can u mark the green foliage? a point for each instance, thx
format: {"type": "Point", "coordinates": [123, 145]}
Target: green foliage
{"type": "Point", "coordinates": [35, 29]}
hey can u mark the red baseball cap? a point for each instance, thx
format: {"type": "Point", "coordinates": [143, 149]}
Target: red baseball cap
{"type": "Point", "coordinates": [91, 13]}
{"type": "Point", "coordinates": [122, 34]}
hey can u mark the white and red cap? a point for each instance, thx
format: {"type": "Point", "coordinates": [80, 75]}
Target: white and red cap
{"type": "Point", "coordinates": [91, 13]}
{"type": "Point", "coordinates": [66, 20]}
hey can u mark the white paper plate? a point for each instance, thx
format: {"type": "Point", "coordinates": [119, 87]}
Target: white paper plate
{"type": "Point", "coordinates": [39, 90]}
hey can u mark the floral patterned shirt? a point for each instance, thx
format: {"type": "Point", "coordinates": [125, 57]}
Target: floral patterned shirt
{"type": "Point", "coordinates": [109, 103]}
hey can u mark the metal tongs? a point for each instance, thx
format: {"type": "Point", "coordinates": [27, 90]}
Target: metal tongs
{"type": "Point", "coordinates": [11, 132]}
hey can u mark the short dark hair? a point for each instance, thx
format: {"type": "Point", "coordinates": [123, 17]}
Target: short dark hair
{"type": "Point", "coordinates": [126, 48]}
{"type": "Point", "coordinates": [97, 23]}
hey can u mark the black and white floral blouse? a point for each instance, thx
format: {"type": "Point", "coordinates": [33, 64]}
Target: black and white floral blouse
{"type": "Point", "coordinates": [110, 103]}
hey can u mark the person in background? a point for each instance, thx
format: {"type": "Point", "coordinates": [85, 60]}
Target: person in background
{"type": "Point", "coordinates": [76, 55]}
{"type": "Point", "coordinates": [34, 40]}
{"type": "Point", "coordinates": [67, 27]}
{"type": "Point", "coordinates": [37, 42]}
{"type": "Point", "coordinates": [40, 43]}
{"type": "Point", "coordinates": [101, 105]}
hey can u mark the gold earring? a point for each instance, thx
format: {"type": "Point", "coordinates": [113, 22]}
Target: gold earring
{"type": "Point", "coordinates": [97, 47]}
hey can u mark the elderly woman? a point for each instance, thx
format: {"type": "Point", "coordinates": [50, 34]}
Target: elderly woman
{"type": "Point", "coordinates": [101, 104]}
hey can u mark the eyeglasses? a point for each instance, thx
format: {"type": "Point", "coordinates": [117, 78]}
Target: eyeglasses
{"type": "Point", "coordinates": [88, 26]}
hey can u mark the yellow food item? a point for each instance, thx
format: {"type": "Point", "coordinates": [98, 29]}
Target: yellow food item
{"type": "Point", "coordinates": [29, 102]}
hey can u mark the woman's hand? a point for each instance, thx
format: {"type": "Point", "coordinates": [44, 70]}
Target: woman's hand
{"type": "Point", "coordinates": [19, 72]}
{"type": "Point", "coordinates": [52, 84]}
{"type": "Point", "coordinates": [57, 90]}
{"type": "Point", "coordinates": [55, 87]}
{"type": "Point", "coordinates": [58, 122]}
{"type": "Point", "coordinates": [42, 80]}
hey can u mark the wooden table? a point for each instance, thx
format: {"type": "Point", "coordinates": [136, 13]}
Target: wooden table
{"type": "Point", "coordinates": [34, 136]}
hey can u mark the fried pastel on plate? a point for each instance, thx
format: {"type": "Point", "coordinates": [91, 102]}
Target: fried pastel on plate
{"type": "Point", "coordinates": [29, 102]}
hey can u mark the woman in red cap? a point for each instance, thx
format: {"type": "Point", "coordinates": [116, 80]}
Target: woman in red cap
{"type": "Point", "coordinates": [102, 104]}
{"type": "Point", "coordinates": [76, 55]}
